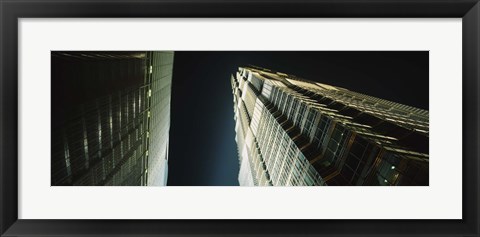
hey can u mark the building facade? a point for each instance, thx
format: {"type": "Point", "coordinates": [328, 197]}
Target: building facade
{"type": "Point", "coordinates": [110, 118]}
{"type": "Point", "coordinates": [295, 132]}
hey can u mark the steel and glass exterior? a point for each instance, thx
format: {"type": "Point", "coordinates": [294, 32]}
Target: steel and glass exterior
{"type": "Point", "coordinates": [295, 132]}
{"type": "Point", "coordinates": [110, 118]}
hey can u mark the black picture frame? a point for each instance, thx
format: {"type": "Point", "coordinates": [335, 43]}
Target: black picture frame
{"type": "Point", "coordinates": [12, 10]}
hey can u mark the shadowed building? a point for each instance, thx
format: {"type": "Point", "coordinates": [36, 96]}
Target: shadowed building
{"type": "Point", "coordinates": [110, 117]}
{"type": "Point", "coordinates": [295, 132]}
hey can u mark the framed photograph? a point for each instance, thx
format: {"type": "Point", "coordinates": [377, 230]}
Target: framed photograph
{"type": "Point", "coordinates": [248, 118]}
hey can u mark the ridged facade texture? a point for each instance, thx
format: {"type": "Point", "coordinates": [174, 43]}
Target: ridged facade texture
{"type": "Point", "coordinates": [295, 132]}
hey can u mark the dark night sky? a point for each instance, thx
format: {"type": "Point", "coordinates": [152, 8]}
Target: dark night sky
{"type": "Point", "coordinates": [202, 138]}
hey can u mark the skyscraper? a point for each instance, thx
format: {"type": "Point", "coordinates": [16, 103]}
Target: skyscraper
{"type": "Point", "coordinates": [291, 131]}
{"type": "Point", "coordinates": [110, 117]}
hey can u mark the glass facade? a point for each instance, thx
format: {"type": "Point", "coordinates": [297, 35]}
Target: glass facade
{"type": "Point", "coordinates": [110, 118]}
{"type": "Point", "coordinates": [295, 132]}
